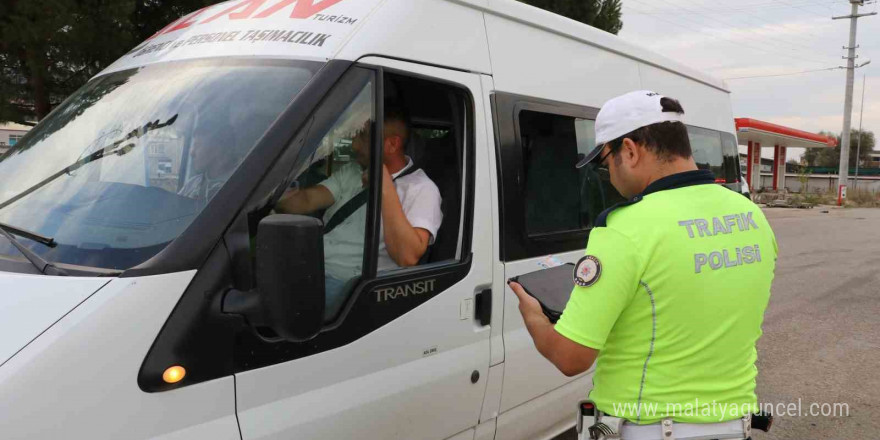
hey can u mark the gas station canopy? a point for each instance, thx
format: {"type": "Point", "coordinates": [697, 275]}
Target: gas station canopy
{"type": "Point", "coordinates": [755, 133]}
{"type": "Point", "coordinates": [765, 133]}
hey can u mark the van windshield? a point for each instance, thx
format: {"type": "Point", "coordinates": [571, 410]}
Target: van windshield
{"type": "Point", "coordinates": [124, 165]}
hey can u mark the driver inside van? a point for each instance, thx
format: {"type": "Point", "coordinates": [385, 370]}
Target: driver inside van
{"type": "Point", "coordinates": [411, 212]}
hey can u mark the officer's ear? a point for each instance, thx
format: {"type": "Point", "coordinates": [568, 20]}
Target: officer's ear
{"type": "Point", "coordinates": [631, 153]}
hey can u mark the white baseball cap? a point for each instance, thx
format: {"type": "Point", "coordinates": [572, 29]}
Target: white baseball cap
{"type": "Point", "coordinates": [627, 113]}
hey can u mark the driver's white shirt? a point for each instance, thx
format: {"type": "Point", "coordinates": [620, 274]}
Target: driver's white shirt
{"type": "Point", "coordinates": [344, 245]}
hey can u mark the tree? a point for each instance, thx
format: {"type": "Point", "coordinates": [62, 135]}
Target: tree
{"type": "Point", "coordinates": [602, 14]}
{"type": "Point", "coordinates": [49, 48]}
{"type": "Point", "coordinates": [803, 177]}
{"type": "Point", "coordinates": [823, 157]}
{"type": "Point", "coordinates": [864, 150]}
{"type": "Point", "coordinates": [152, 15]}
{"type": "Point", "coordinates": [827, 157]}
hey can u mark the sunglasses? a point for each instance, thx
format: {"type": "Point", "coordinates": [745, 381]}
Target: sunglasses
{"type": "Point", "coordinates": [601, 163]}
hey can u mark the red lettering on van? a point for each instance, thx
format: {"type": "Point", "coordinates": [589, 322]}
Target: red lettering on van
{"type": "Point", "coordinates": [235, 13]}
{"type": "Point", "coordinates": [303, 9]}
{"type": "Point", "coordinates": [180, 23]}
{"type": "Point", "coordinates": [188, 21]}
{"type": "Point", "coordinates": [308, 8]}
{"type": "Point", "coordinates": [244, 9]}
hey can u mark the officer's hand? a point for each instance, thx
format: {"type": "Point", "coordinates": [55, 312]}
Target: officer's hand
{"type": "Point", "coordinates": [528, 306]}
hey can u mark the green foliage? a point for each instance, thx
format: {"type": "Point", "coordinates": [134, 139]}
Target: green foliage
{"type": "Point", "coordinates": [804, 178]}
{"type": "Point", "coordinates": [862, 198]}
{"type": "Point", "coordinates": [602, 14]}
{"type": "Point", "coordinates": [828, 157]}
{"type": "Point", "coordinates": [152, 15]}
{"type": "Point", "coordinates": [49, 48]}
{"type": "Point", "coordinates": [809, 198]}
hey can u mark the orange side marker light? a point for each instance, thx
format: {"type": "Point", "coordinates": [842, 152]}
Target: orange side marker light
{"type": "Point", "coordinates": [174, 374]}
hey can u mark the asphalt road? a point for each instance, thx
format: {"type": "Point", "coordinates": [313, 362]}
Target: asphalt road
{"type": "Point", "coordinates": [821, 342]}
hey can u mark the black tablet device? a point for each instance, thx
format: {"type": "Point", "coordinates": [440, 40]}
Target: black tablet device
{"type": "Point", "coordinates": [551, 287]}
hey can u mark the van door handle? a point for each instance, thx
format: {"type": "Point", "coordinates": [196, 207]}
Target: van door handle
{"type": "Point", "coordinates": [483, 307]}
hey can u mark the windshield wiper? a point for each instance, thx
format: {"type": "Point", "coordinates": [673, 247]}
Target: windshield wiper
{"type": "Point", "coordinates": [112, 149]}
{"type": "Point", "coordinates": [42, 239]}
{"type": "Point", "coordinates": [42, 265]}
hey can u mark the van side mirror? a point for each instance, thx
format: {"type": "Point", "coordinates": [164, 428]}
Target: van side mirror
{"type": "Point", "coordinates": [289, 293]}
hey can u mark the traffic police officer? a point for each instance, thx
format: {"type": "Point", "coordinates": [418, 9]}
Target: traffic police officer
{"type": "Point", "coordinates": [670, 296]}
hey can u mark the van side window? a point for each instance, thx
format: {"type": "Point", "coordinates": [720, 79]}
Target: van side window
{"type": "Point", "coordinates": [365, 286]}
{"type": "Point", "coordinates": [547, 205]}
{"type": "Point", "coordinates": [430, 187]}
{"type": "Point", "coordinates": [423, 155]}
{"type": "Point", "coordinates": [731, 158]}
{"type": "Point", "coordinates": [706, 148]}
{"type": "Point", "coordinates": [558, 196]}
{"type": "Point", "coordinates": [331, 184]}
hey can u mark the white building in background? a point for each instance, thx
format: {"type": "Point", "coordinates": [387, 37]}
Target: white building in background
{"type": "Point", "coordinates": [10, 134]}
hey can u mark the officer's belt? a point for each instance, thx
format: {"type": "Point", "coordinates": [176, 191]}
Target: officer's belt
{"type": "Point", "coordinates": [733, 429]}
{"type": "Point", "coordinates": [605, 427]}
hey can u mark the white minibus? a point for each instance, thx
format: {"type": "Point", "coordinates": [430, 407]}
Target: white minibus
{"type": "Point", "coordinates": [149, 289]}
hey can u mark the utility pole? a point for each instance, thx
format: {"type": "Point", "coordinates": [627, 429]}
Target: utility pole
{"type": "Point", "coordinates": [847, 106]}
{"type": "Point", "coordinates": [859, 148]}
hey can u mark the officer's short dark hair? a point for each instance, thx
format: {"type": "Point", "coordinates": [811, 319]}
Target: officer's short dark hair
{"type": "Point", "coordinates": [668, 140]}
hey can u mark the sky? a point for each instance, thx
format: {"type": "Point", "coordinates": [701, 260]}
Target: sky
{"type": "Point", "coordinates": [731, 39]}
